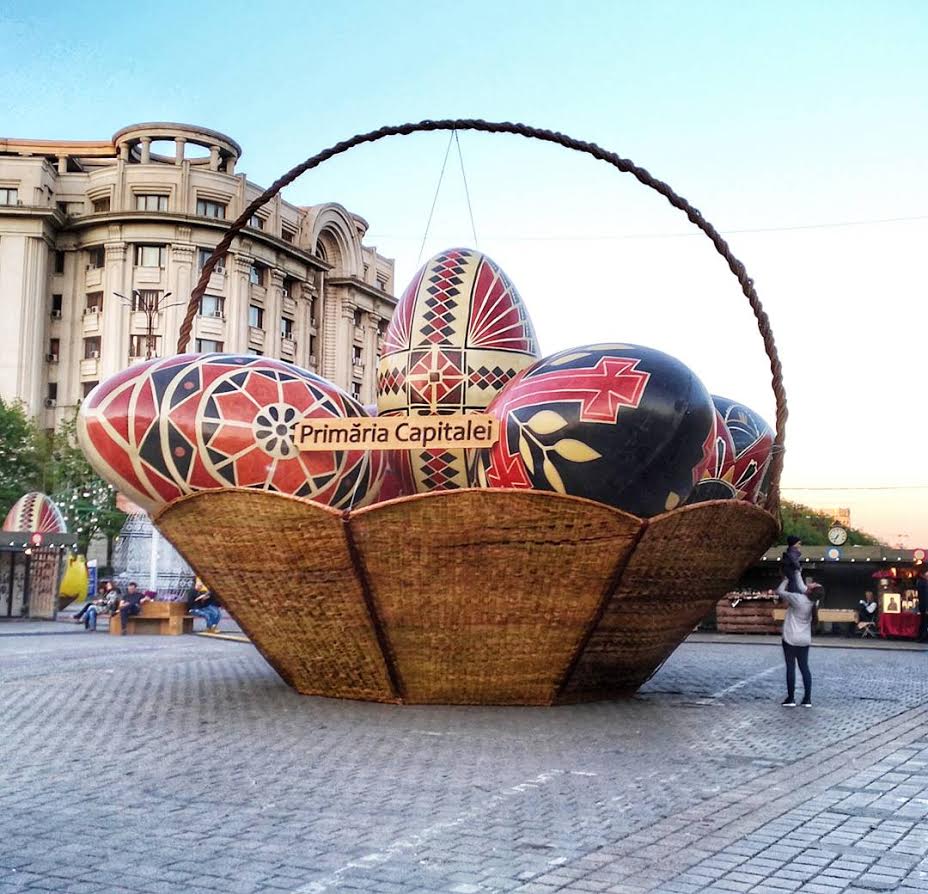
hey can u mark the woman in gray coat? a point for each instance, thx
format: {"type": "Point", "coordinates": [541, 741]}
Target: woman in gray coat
{"type": "Point", "coordinates": [797, 638]}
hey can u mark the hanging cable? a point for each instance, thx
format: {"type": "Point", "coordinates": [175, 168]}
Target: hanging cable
{"type": "Point", "coordinates": [428, 223]}
{"type": "Point", "coordinates": [470, 210]}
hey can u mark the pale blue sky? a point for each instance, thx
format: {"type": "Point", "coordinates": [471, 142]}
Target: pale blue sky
{"type": "Point", "coordinates": [763, 114]}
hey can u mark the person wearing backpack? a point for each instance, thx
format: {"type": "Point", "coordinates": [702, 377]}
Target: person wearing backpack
{"type": "Point", "coordinates": [801, 617]}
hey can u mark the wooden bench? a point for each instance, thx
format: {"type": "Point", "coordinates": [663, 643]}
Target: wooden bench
{"type": "Point", "coordinates": [160, 618]}
{"type": "Point", "coordinates": [826, 615]}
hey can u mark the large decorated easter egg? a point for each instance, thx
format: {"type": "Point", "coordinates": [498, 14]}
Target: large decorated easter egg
{"type": "Point", "coordinates": [753, 441]}
{"type": "Point", "coordinates": [717, 481]}
{"type": "Point", "coordinates": [34, 513]}
{"type": "Point", "coordinates": [620, 424]}
{"type": "Point", "coordinates": [169, 427]}
{"type": "Point", "coordinates": [460, 331]}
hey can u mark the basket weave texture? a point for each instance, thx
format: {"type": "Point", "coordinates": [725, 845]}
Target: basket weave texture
{"type": "Point", "coordinates": [464, 597]}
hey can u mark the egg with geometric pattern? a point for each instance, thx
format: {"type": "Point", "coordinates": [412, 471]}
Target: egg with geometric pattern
{"type": "Point", "coordinates": [717, 481]}
{"type": "Point", "coordinates": [460, 331]}
{"type": "Point", "coordinates": [753, 442]}
{"type": "Point", "coordinates": [173, 426]}
{"type": "Point", "coordinates": [624, 425]}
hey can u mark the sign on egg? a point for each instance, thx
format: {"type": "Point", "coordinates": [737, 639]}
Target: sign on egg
{"type": "Point", "coordinates": [460, 331]}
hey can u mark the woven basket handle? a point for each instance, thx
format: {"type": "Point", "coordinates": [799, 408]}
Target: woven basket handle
{"type": "Point", "coordinates": [523, 130]}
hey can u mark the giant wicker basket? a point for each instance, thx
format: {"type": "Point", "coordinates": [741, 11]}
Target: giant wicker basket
{"type": "Point", "coordinates": [507, 597]}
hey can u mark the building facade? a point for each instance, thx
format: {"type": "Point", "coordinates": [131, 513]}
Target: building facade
{"type": "Point", "coordinates": [101, 244]}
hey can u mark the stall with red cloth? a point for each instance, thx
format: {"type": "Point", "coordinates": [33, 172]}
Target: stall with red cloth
{"type": "Point", "coordinates": [899, 614]}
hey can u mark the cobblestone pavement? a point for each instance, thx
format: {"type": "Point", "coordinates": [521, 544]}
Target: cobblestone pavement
{"type": "Point", "coordinates": [185, 766]}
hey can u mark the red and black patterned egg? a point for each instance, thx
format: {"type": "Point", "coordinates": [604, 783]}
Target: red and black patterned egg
{"type": "Point", "coordinates": [170, 427]}
{"type": "Point", "coordinates": [620, 424]}
{"type": "Point", "coordinates": [717, 481]}
{"type": "Point", "coordinates": [753, 441]}
{"type": "Point", "coordinates": [460, 331]}
{"type": "Point", "coordinates": [35, 513]}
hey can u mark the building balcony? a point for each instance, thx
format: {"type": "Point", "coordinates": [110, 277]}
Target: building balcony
{"type": "Point", "coordinates": [357, 370]}
{"type": "Point", "coordinates": [147, 276]}
{"type": "Point", "coordinates": [91, 322]}
{"type": "Point", "coordinates": [359, 334]}
{"type": "Point", "coordinates": [255, 337]}
{"type": "Point", "coordinates": [93, 277]}
{"type": "Point", "coordinates": [213, 328]}
{"type": "Point", "coordinates": [90, 368]}
{"type": "Point", "coordinates": [138, 322]}
{"type": "Point", "coordinates": [258, 292]}
{"type": "Point", "coordinates": [288, 305]}
{"type": "Point", "coordinates": [217, 281]}
{"type": "Point", "coordinates": [287, 347]}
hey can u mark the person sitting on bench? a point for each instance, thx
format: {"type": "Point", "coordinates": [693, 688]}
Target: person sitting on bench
{"type": "Point", "coordinates": [202, 604]}
{"type": "Point", "coordinates": [130, 604]}
{"type": "Point", "coordinates": [866, 614]}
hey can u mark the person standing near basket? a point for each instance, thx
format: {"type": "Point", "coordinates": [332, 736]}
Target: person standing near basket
{"type": "Point", "coordinates": [797, 639]}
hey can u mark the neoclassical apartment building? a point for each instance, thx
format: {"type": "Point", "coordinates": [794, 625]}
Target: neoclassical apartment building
{"type": "Point", "coordinates": [101, 244]}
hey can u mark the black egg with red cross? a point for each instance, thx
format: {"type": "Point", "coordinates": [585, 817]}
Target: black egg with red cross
{"type": "Point", "coordinates": [621, 424]}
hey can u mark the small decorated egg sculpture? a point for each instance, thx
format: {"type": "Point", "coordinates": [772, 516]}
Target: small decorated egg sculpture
{"type": "Point", "coordinates": [753, 441]}
{"type": "Point", "coordinates": [34, 513]}
{"type": "Point", "coordinates": [460, 331]}
{"type": "Point", "coordinates": [620, 424]}
{"type": "Point", "coordinates": [174, 426]}
{"type": "Point", "coordinates": [717, 482]}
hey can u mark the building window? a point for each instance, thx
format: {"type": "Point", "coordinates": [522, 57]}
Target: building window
{"type": "Point", "coordinates": [146, 299]}
{"type": "Point", "coordinates": [53, 391]}
{"type": "Point", "coordinates": [256, 222]}
{"type": "Point", "coordinates": [212, 306]}
{"type": "Point", "coordinates": [255, 316]}
{"type": "Point", "coordinates": [255, 352]}
{"type": "Point", "coordinates": [138, 346]}
{"type": "Point", "coordinates": [59, 262]}
{"type": "Point", "coordinates": [288, 235]}
{"type": "Point", "coordinates": [208, 346]}
{"type": "Point", "coordinates": [8, 195]}
{"type": "Point", "coordinates": [208, 208]}
{"type": "Point", "coordinates": [56, 306]}
{"type": "Point", "coordinates": [92, 348]}
{"type": "Point", "coordinates": [257, 274]}
{"type": "Point", "coordinates": [289, 287]}
{"type": "Point", "coordinates": [96, 257]}
{"type": "Point", "coordinates": [151, 202]}
{"type": "Point", "coordinates": [150, 255]}
{"type": "Point", "coordinates": [203, 255]}
{"type": "Point", "coordinates": [381, 282]}
{"type": "Point", "coordinates": [70, 209]}
{"type": "Point", "coordinates": [54, 347]}
{"type": "Point", "coordinates": [312, 312]}
{"type": "Point", "coordinates": [87, 387]}
{"type": "Point", "coordinates": [356, 391]}
{"type": "Point", "coordinates": [101, 205]}
{"type": "Point", "coordinates": [94, 303]}
{"type": "Point", "coordinates": [356, 355]}
{"type": "Point", "coordinates": [358, 318]}
{"type": "Point", "coordinates": [312, 349]}
{"type": "Point", "coordinates": [286, 327]}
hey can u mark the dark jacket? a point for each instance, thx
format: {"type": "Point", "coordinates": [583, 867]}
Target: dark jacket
{"type": "Point", "coordinates": [792, 569]}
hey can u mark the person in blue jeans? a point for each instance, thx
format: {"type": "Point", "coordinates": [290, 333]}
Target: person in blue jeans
{"type": "Point", "coordinates": [202, 604]}
{"type": "Point", "coordinates": [797, 638]}
{"type": "Point", "coordinates": [88, 614]}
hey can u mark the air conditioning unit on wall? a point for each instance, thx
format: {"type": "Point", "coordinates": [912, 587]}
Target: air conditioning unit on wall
{"type": "Point", "coordinates": [56, 314]}
{"type": "Point", "coordinates": [51, 358]}
{"type": "Point", "coordinates": [51, 402]}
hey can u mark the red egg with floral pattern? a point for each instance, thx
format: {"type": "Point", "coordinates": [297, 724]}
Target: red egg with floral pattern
{"type": "Point", "coordinates": [620, 424]}
{"type": "Point", "coordinates": [170, 427]}
{"type": "Point", "coordinates": [460, 331]}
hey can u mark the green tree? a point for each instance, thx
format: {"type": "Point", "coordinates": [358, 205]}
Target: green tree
{"type": "Point", "coordinates": [23, 455]}
{"type": "Point", "coordinates": [811, 526]}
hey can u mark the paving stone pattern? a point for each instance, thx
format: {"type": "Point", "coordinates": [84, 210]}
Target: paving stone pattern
{"type": "Point", "coordinates": [185, 766]}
